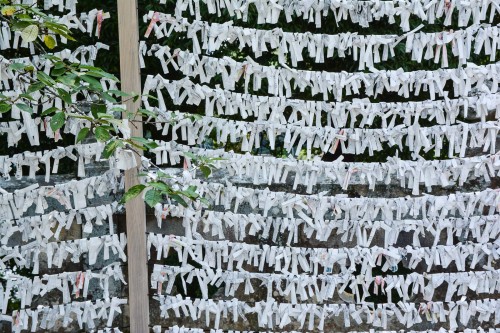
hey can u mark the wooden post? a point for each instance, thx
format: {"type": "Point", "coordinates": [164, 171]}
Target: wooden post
{"type": "Point", "coordinates": [138, 299]}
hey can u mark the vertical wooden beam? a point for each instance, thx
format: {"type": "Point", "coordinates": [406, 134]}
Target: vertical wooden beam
{"type": "Point", "coordinates": [128, 25]}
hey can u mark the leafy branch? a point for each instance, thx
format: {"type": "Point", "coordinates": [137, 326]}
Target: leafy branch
{"type": "Point", "coordinates": [159, 185]}
{"type": "Point", "coordinates": [70, 83]}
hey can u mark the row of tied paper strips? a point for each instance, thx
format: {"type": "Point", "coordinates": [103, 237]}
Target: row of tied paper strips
{"type": "Point", "coordinates": [282, 246]}
{"type": "Point", "coordinates": [46, 248]}
{"type": "Point", "coordinates": [72, 282]}
{"type": "Point", "coordinates": [367, 50]}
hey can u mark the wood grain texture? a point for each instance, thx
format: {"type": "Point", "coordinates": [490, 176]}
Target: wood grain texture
{"type": "Point", "coordinates": [135, 209]}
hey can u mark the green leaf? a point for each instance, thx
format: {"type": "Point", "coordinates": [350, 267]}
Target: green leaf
{"type": "Point", "coordinates": [204, 201]}
{"type": "Point", "coordinates": [118, 93]}
{"type": "Point", "coordinates": [151, 145]}
{"type": "Point", "coordinates": [49, 41]}
{"type": "Point", "coordinates": [19, 25]}
{"type": "Point", "coordinates": [206, 171]}
{"type": "Point", "coordinates": [38, 12]}
{"type": "Point", "coordinates": [24, 107]}
{"type": "Point", "coordinates": [59, 29]}
{"type": "Point", "coordinates": [190, 155]}
{"type": "Point", "coordinates": [77, 89]}
{"type": "Point", "coordinates": [130, 142]}
{"type": "Point", "coordinates": [26, 96]}
{"type": "Point", "coordinates": [45, 78]}
{"type": "Point", "coordinates": [65, 96]}
{"type": "Point", "coordinates": [145, 142]}
{"type": "Point", "coordinates": [161, 186]}
{"type": "Point", "coordinates": [108, 97]}
{"type": "Point", "coordinates": [162, 174]}
{"type": "Point", "coordinates": [96, 109]}
{"type": "Point", "coordinates": [82, 134]}
{"type": "Point", "coordinates": [77, 116]}
{"type": "Point", "coordinates": [17, 66]}
{"type": "Point", "coordinates": [67, 79]}
{"type": "Point", "coordinates": [195, 117]}
{"type": "Point", "coordinates": [4, 107]}
{"type": "Point", "coordinates": [102, 134]}
{"type": "Point", "coordinates": [35, 87]}
{"type": "Point", "coordinates": [152, 197]}
{"type": "Point", "coordinates": [191, 195]}
{"type": "Point", "coordinates": [105, 116]}
{"type": "Point", "coordinates": [98, 72]}
{"type": "Point", "coordinates": [49, 111]}
{"type": "Point", "coordinates": [191, 190]}
{"type": "Point", "coordinates": [93, 83]}
{"type": "Point", "coordinates": [59, 64]}
{"type": "Point", "coordinates": [57, 121]}
{"type": "Point", "coordinates": [150, 97]}
{"type": "Point", "coordinates": [179, 199]}
{"type": "Point", "coordinates": [110, 148]}
{"type": "Point", "coordinates": [51, 57]}
{"type": "Point", "coordinates": [132, 193]}
{"type": "Point", "coordinates": [58, 71]}
{"type": "Point", "coordinates": [30, 33]}
{"type": "Point", "coordinates": [148, 113]}
{"type": "Point", "coordinates": [140, 139]}
{"type": "Point", "coordinates": [118, 109]}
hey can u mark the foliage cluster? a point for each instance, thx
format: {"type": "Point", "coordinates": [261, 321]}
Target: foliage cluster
{"type": "Point", "coordinates": [74, 83]}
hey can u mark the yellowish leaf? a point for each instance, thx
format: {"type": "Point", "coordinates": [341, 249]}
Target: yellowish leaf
{"type": "Point", "coordinates": [49, 41]}
{"type": "Point", "coordinates": [30, 33]}
{"type": "Point", "coordinates": [8, 10]}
